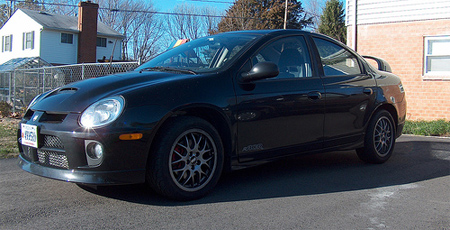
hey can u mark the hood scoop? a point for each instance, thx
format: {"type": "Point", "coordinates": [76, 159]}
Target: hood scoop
{"type": "Point", "coordinates": [67, 90]}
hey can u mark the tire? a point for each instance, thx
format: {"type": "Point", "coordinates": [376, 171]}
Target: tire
{"type": "Point", "coordinates": [379, 140]}
{"type": "Point", "coordinates": [187, 160]}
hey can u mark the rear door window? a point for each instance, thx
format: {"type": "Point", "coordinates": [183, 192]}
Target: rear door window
{"type": "Point", "coordinates": [336, 60]}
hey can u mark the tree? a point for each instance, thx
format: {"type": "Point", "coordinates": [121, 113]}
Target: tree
{"type": "Point", "coordinates": [314, 8]}
{"type": "Point", "coordinates": [133, 19]}
{"type": "Point", "coordinates": [31, 5]}
{"type": "Point", "coordinates": [263, 14]}
{"type": "Point", "coordinates": [63, 7]}
{"type": "Point", "coordinates": [4, 14]}
{"type": "Point", "coordinates": [188, 21]}
{"type": "Point", "coordinates": [332, 21]}
{"type": "Point", "coordinates": [145, 41]}
{"type": "Point", "coordinates": [7, 10]}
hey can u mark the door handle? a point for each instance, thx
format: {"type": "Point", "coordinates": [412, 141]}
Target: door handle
{"type": "Point", "coordinates": [314, 95]}
{"type": "Point", "coordinates": [368, 91]}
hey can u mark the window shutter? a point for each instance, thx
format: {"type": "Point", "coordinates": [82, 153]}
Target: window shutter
{"type": "Point", "coordinates": [32, 39]}
{"type": "Point", "coordinates": [24, 41]}
{"type": "Point", "coordinates": [10, 43]}
{"type": "Point", "coordinates": [3, 44]}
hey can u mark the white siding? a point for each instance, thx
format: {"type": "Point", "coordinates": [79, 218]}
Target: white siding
{"type": "Point", "coordinates": [16, 26]}
{"type": "Point", "coordinates": [47, 42]}
{"type": "Point", "coordinates": [387, 11]}
{"type": "Point", "coordinates": [53, 51]}
{"type": "Point", "coordinates": [108, 50]}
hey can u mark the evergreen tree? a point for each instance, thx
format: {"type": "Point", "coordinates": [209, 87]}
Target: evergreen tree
{"type": "Point", "coordinates": [263, 14]}
{"type": "Point", "coordinates": [332, 21]}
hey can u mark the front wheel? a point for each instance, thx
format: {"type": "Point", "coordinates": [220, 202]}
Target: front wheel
{"type": "Point", "coordinates": [187, 161]}
{"type": "Point", "coordinates": [379, 140]}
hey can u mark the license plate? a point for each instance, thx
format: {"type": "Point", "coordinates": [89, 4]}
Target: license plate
{"type": "Point", "coordinates": [29, 135]}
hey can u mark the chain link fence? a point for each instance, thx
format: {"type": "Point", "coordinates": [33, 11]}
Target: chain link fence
{"type": "Point", "coordinates": [5, 86]}
{"type": "Point", "coordinates": [20, 86]}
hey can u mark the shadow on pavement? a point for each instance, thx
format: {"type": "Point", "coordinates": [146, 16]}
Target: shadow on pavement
{"type": "Point", "coordinates": [415, 159]}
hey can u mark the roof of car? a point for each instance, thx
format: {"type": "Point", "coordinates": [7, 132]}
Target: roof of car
{"type": "Point", "coordinates": [275, 31]}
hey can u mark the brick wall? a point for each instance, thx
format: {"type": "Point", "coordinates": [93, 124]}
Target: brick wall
{"type": "Point", "coordinates": [87, 38]}
{"type": "Point", "coordinates": [402, 45]}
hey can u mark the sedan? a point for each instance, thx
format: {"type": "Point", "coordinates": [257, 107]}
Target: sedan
{"type": "Point", "coordinates": [211, 105]}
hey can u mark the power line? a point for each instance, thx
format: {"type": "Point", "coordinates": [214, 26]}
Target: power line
{"type": "Point", "coordinates": [152, 12]}
{"type": "Point", "coordinates": [210, 1]}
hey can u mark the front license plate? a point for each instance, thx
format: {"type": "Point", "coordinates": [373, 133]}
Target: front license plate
{"type": "Point", "coordinates": [29, 135]}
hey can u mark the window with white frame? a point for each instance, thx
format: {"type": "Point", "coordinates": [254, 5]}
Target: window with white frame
{"type": "Point", "coordinates": [7, 43]}
{"type": "Point", "coordinates": [28, 40]}
{"type": "Point", "coordinates": [437, 57]}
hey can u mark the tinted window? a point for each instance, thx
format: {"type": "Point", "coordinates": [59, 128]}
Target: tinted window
{"type": "Point", "coordinates": [336, 60]}
{"type": "Point", "coordinates": [290, 54]}
{"type": "Point", "coordinates": [205, 54]}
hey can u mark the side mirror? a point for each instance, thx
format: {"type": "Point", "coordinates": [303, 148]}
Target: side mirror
{"type": "Point", "coordinates": [261, 70]}
{"type": "Point", "coordinates": [382, 64]}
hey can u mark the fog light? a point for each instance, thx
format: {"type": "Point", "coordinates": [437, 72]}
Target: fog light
{"type": "Point", "coordinates": [94, 152]}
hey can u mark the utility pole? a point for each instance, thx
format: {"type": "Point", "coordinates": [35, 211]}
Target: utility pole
{"type": "Point", "coordinates": [285, 14]}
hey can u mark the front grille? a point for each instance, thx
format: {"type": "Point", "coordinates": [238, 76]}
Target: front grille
{"type": "Point", "coordinates": [52, 152]}
{"type": "Point", "coordinates": [52, 158]}
{"type": "Point", "coordinates": [53, 142]}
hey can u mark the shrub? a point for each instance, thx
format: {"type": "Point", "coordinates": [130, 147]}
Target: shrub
{"type": "Point", "coordinates": [427, 128]}
{"type": "Point", "coordinates": [5, 108]}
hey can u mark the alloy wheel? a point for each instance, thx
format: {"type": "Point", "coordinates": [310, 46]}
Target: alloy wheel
{"type": "Point", "coordinates": [193, 160]}
{"type": "Point", "coordinates": [383, 136]}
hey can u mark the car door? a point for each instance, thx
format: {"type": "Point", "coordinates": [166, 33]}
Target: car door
{"type": "Point", "coordinates": [349, 93]}
{"type": "Point", "coordinates": [280, 115]}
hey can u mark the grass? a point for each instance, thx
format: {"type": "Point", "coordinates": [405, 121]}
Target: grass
{"type": "Point", "coordinates": [8, 132]}
{"type": "Point", "coordinates": [428, 128]}
{"type": "Point", "coordinates": [8, 138]}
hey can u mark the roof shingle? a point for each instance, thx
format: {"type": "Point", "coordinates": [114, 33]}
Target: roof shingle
{"type": "Point", "coordinates": [66, 23]}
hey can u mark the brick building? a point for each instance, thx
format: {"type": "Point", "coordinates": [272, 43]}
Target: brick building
{"type": "Point", "coordinates": [414, 37]}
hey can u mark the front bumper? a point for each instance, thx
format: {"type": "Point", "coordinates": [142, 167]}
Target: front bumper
{"type": "Point", "coordinates": [84, 177]}
{"type": "Point", "coordinates": [61, 153]}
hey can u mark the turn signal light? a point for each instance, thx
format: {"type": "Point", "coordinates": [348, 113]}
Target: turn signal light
{"type": "Point", "coordinates": [130, 136]}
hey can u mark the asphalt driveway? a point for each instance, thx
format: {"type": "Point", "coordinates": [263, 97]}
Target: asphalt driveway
{"type": "Point", "coordinates": [324, 191]}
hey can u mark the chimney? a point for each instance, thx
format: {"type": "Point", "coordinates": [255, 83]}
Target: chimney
{"type": "Point", "coordinates": [87, 38]}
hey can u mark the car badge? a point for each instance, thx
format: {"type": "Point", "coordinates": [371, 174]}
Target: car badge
{"type": "Point", "coordinates": [35, 117]}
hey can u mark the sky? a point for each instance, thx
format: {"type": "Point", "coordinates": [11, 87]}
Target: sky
{"type": "Point", "coordinates": [220, 5]}
{"type": "Point", "coordinates": [168, 5]}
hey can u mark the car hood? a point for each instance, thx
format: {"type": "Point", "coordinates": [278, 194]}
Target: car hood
{"type": "Point", "coordinates": [76, 97]}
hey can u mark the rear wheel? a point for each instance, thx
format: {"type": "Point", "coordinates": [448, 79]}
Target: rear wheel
{"type": "Point", "coordinates": [187, 161]}
{"type": "Point", "coordinates": [379, 140]}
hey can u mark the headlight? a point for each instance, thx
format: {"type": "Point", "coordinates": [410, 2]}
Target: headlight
{"type": "Point", "coordinates": [102, 112]}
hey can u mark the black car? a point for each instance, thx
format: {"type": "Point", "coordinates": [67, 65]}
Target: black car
{"type": "Point", "coordinates": [211, 105]}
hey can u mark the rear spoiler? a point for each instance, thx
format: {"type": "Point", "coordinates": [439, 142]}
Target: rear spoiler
{"type": "Point", "coordinates": [382, 64]}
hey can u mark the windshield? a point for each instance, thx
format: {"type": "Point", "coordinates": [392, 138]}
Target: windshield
{"type": "Point", "coordinates": [205, 54]}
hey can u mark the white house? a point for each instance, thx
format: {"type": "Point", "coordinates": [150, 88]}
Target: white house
{"type": "Point", "coordinates": [57, 38]}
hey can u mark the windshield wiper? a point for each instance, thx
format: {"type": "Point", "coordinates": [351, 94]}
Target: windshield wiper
{"type": "Point", "coordinates": [168, 69]}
